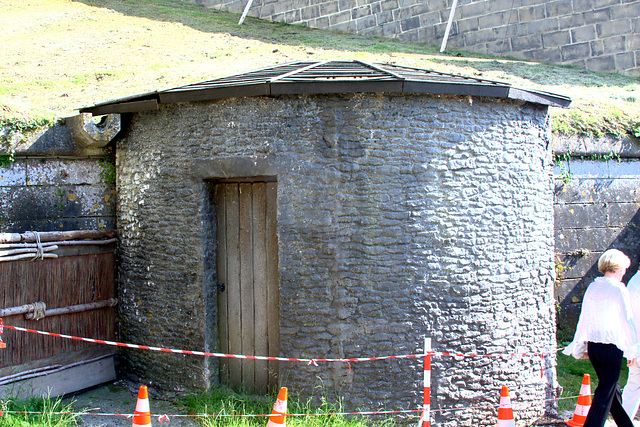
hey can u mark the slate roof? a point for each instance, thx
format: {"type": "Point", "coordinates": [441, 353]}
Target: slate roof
{"type": "Point", "coordinates": [324, 77]}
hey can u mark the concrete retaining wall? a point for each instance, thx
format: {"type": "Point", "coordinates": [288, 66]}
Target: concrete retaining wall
{"type": "Point", "coordinates": [55, 186]}
{"type": "Point", "coordinates": [597, 207]}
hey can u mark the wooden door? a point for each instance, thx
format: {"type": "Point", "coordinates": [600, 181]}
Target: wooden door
{"type": "Point", "coordinates": [248, 295]}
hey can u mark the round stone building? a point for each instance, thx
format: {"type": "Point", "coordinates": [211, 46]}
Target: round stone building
{"type": "Point", "coordinates": [331, 210]}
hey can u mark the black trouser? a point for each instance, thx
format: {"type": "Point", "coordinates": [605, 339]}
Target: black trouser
{"type": "Point", "coordinates": [607, 362]}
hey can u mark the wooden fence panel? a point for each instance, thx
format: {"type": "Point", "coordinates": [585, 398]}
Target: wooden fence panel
{"type": "Point", "coordinates": [60, 282]}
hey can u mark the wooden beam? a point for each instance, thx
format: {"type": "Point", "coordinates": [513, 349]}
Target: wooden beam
{"type": "Point", "coordinates": [234, 319]}
{"type": "Point", "coordinates": [273, 283]}
{"type": "Point", "coordinates": [223, 281]}
{"type": "Point", "coordinates": [261, 332]}
{"type": "Point", "coordinates": [247, 314]}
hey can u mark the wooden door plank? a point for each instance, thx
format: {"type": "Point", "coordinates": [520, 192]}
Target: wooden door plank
{"type": "Point", "coordinates": [246, 284]}
{"type": "Point", "coordinates": [221, 263]}
{"type": "Point", "coordinates": [273, 291]}
{"type": "Point", "coordinates": [260, 282]}
{"type": "Point", "coordinates": [233, 285]}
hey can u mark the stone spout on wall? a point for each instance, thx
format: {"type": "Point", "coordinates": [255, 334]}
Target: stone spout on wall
{"type": "Point", "coordinates": [88, 134]}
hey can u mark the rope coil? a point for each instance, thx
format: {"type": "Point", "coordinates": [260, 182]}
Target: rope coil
{"type": "Point", "coordinates": [37, 311]}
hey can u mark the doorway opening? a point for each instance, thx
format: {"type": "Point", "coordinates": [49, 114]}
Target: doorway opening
{"type": "Point", "coordinates": [246, 280]}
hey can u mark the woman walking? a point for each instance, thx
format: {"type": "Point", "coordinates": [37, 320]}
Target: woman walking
{"type": "Point", "coordinates": [605, 334]}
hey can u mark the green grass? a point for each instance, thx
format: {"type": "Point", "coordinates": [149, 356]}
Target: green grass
{"type": "Point", "coordinates": [36, 412]}
{"type": "Point", "coordinates": [223, 401]}
{"type": "Point", "coordinates": [216, 408]}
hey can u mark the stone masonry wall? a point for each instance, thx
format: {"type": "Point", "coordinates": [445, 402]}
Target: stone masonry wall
{"type": "Point", "coordinates": [599, 35]}
{"type": "Point", "coordinates": [399, 217]}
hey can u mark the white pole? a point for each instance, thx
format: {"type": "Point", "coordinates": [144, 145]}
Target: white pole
{"type": "Point", "coordinates": [246, 10]}
{"type": "Point", "coordinates": [446, 33]}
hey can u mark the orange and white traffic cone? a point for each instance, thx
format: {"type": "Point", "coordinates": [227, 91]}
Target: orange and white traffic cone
{"type": "Point", "coordinates": [142, 416]}
{"type": "Point", "coordinates": [278, 416]}
{"type": "Point", "coordinates": [505, 413]}
{"type": "Point", "coordinates": [584, 403]}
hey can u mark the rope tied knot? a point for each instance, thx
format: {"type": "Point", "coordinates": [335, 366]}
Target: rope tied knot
{"type": "Point", "coordinates": [39, 248]}
{"type": "Point", "coordinates": [37, 311]}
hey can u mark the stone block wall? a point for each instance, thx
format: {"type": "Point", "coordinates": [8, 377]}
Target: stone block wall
{"type": "Point", "coordinates": [54, 186]}
{"type": "Point", "coordinates": [597, 207]}
{"type": "Point", "coordinates": [599, 35]}
{"type": "Point", "coordinates": [399, 217]}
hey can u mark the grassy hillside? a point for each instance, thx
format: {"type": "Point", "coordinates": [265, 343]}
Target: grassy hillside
{"type": "Point", "coordinates": [59, 55]}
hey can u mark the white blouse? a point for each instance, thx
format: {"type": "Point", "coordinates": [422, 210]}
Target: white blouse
{"type": "Point", "coordinates": [607, 318]}
{"type": "Point", "coordinates": [634, 291]}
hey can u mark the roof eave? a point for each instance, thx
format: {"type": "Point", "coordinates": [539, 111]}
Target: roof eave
{"type": "Point", "coordinates": [171, 96]}
{"type": "Point", "coordinates": [121, 107]}
{"type": "Point", "coordinates": [335, 86]}
{"type": "Point", "coordinates": [544, 98]}
{"type": "Point", "coordinates": [462, 89]}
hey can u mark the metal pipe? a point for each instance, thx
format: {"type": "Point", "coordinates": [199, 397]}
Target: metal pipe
{"type": "Point", "coordinates": [12, 311]}
{"type": "Point", "coordinates": [29, 309]}
{"type": "Point", "coordinates": [47, 370]}
{"type": "Point", "coordinates": [449, 22]}
{"type": "Point", "coordinates": [60, 243]}
{"type": "Point", "coordinates": [26, 250]}
{"type": "Point", "coordinates": [48, 236]}
{"type": "Point", "coordinates": [244, 13]}
{"type": "Point", "coordinates": [111, 302]}
{"type": "Point", "coordinates": [28, 374]}
{"type": "Point", "coordinates": [26, 256]}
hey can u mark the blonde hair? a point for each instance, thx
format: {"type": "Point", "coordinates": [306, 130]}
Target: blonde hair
{"type": "Point", "coordinates": [613, 260]}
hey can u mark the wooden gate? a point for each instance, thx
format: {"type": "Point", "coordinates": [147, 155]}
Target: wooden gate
{"type": "Point", "coordinates": [248, 295]}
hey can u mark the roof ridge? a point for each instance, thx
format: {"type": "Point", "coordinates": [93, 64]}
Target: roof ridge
{"type": "Point", "coordinates": [300, 70]}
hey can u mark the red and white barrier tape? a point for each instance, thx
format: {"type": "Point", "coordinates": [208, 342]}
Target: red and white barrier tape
{"type": "Point", "coordinates": [281, 359]}
{"type": "Point", "coordinates": [425, 411]}
{"type": "Point", "coordinates": [203, 353]}
{"type": "Point", "coordinates": [439, 353]}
